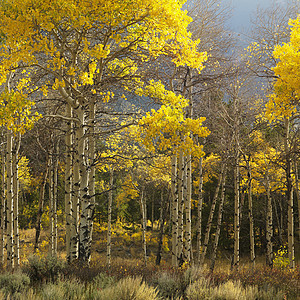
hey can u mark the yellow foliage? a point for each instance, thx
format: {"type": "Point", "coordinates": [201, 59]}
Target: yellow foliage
{"type": "Point", "coordinates": [282, 103]}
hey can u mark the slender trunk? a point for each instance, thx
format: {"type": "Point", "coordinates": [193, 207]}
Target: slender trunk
{"type": "Point", "coordinates": [237, 208]}
{"type": "Point", "coordinates": [10, 212]}
{"type": "Point", "coordinates": [250, 215]}
{"type": "Point", "coordinates": [68, 182]}
{"type": "Point", "coordinates": [188, 208]}
{"type": "Point", "coordinates": [55, 183]}
{"type": "Point", "coordinates": [269, 225]}
{"type": "Point", "coordinates": [110, 200]}
{"type": "Point", "coordinates": [152, 210]}
{"type": "Point", "coordinates": [174, 192]}
{"type": "Point", "coordinates": [199, 209]}
{"type": "Point", "coordinates": [16, 201]}
{"type": "Point", "coordinates": [41, 207]}
{"type": "Point", "coordinates": [51, 204]}
{"type": "Point", "coordinates": [162, 217]}
{"type": "Point", "coordinates": [91, 149]}
{"type": "Point", "coordinates": [180, 208]}
{"type": "Point", "coordinates": [297, 194]}
{"type": "Point", "coordinates": [291, 246]}
{"type": "Point", "coordinates": [219, 223]}
{"type": "Point", "coordinates": [144, 224]}
{"type": "Point", "coordinates": [84, 229]}
{"type": "Point", "coordinates": [211, 215]}
{"type": "Point", "coordinates": [3, 206]}
{"type": "Point", "coordinates": [236, 253]}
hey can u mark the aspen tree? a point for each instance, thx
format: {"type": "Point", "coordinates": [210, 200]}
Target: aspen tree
{"type": "Point", "coordinates": [92, 168]}
{"type": "Point", "coordinates": [3, 202]}
{"type": "Point", "coordinates": [41, 204]}
{"type": "Point", "coordinates": [15, 160]}
{"type": "Point", "coordinates": [110, 200]}
{"type": "Point", "coordinates": [162, 218]}
{"type": "Point", "coordinates": [297, 193]}
{"type": "Point", "coordinates": [144, 224]}
{"type": "Point", "coordinates": [211, 214]}
{"type": "Point", "coordinates": [10, 218]}
{"type": "Point", "coordinates": [181, 169]}
{"type": "Point", "coordinates": [55, 185]}
{"type": "Point", "coordinates": [250, 213]}
{"type": "Point", "coordinates": [269, 224]}
{"type": "Point", "coordinates": [199, 210]}
{"type": "Point", "coordinates": [289, 183]}
{"type": "Point", "coordinates": [68, 180]}
{"type": "Point", "coordinates": [174, 211]}
{"type": "Point", "coordinates": [219, 223]}
{"type": "Point", "coordinates": [83, 52]}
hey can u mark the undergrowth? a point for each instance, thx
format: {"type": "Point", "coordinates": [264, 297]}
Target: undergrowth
{"type": "Point", "coordinates": [51, 278]}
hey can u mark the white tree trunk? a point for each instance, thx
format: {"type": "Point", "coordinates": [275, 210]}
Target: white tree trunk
{"type": "Point", "coordinates": [211, 215]}
{"type": "Point", "coordinates": [84, 229]}
{"type": "Point", "coordinates": [10, 211]}
{"type": "Point", "coordinates": [16, 201]}
{"type": "Point", "coordinates": [3, 205]}
{"type": "Point", "coordinates": [51, 204]}
{"type": "Point", "coordinates": [91, 149]}
{"type": "Point", "coordinates": [188, 211]}
{"type": "Point", "coordinates": [269, 224]}
{"type": "Point", "coordinates": [180, 208]}
{"type": "Point", "coordinates": [55, 183]}
{"type": "Point", "coordinates": [110, 200]}
{"type": "Point", "coordinates": [250, 215]}
{"type": "Point", "coordinates": [288, 169]}
{"type": "Point", "coordinates": [144, 225]}
{"type": "Point", "coordinates": [68, 181]}
{"type": "Point", "coordinates": [236, 253]}
{"type": "Point", "coordinates": [174, 211]}
{"type": "Point", "coordinates": [219, 223]}
{"type": "Point", "coordinates": [74, 244]}
{"type": "Point", "coordinates": [199, 210]}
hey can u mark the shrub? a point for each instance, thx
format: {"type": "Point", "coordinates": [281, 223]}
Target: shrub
{"type": "Point", "coordinates": [168, 285]}
{"type": "Point", "coordinates": [230, 290]}
{"type": "Point", "coordinates": [199, 290]}
{"type": "Point", "coordinates": [67, 290]}
{"type": "Point", "coordinates": [43, 269]}
{"type": "Point", "coordinates": [281, 259]}
{"type": "Point", "coordinates": [14, 283]}
{"type": "Point", "coordinates": [103, 280]}
{"type": "Point", "coordinates": [128, 289]}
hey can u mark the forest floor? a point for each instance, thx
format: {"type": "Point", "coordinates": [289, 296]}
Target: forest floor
{"type": "Point", "coordinates": [127, 263]}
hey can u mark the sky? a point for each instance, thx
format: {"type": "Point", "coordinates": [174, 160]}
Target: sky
{"type": "Point", "coordinates": [243, 9]}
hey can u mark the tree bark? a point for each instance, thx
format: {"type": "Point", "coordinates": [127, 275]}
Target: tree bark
{"type": "Point", "coordinates": [219, 223]}
{"type": "Point", "coordinates": [199, 210]}
{"type": "Point", "coordinates": [297, 194]}
{"type": "Point", "coordinates": [10, 211]}
{"type": "Point", "coordinates": [3, 205]}
{"type": "Point", "coordinates": [180, 208]}
{"type": "Point", "coordinates": [291, 246]}
{"type": "Point", "coordinates": [188, 208]}
{"type": "Point", "coordinates": [211, 215]}
{"type": "Point", "coordinates": [144, 226]}
{"type": "Point", "coordinates": [250, 214]}
{"type": "Point", "coordinates": [92, 168]}
{"type": "Point", "coordinates": [68, 181]}
{"type": "Point", "coordinates": [41, 206]}
{"type": "Point", "coordinates": [161, 229]}
{"type": "Point", "coordinates": [110, 200]}
{"type": "Point", "coordinates": [269, 225]}
{"type": "Point", "coordinates": [174, 192]}
{"type": "Point", "coordinates": [84, 229]}
{"type": "Point", "coordinates": [16, 200]}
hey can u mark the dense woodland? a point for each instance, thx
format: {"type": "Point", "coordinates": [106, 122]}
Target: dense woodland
{"type": "Point", "coordinates": [152, 116]}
